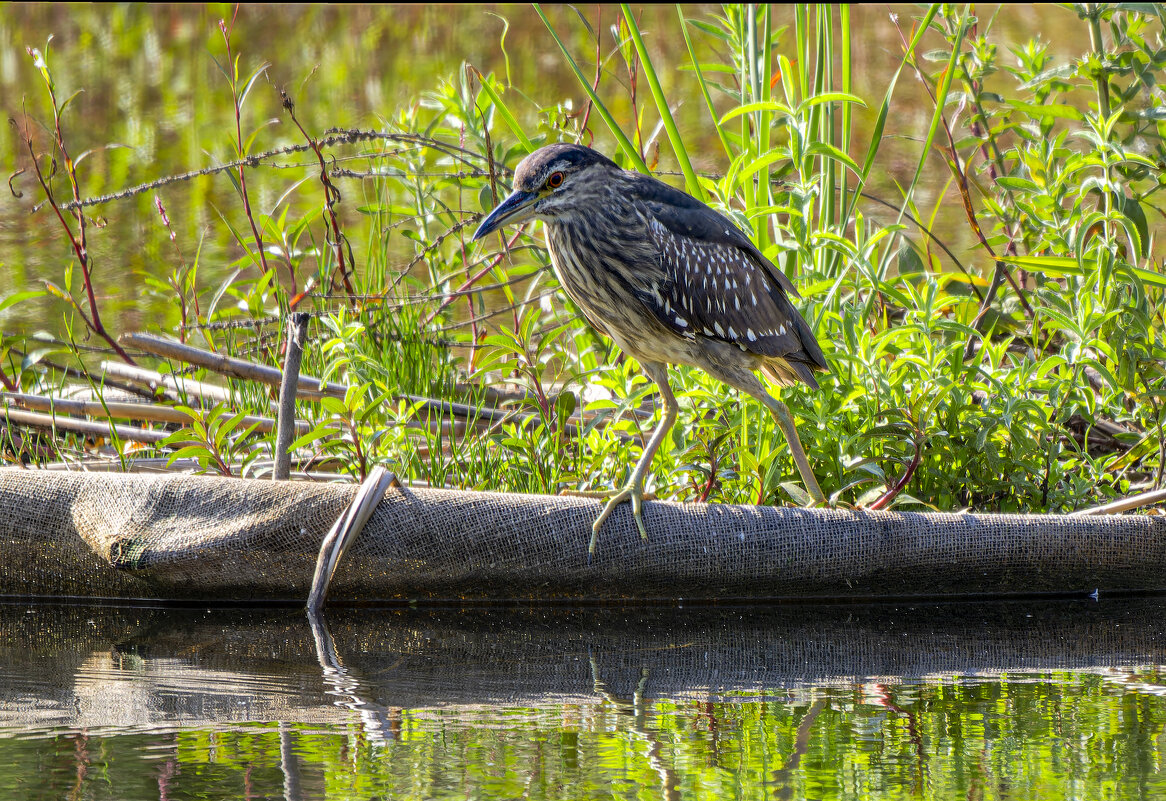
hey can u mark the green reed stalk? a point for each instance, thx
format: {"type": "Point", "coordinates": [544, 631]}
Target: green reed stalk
{"type": "Point", "coordinates": [704, 89]}
{"type": "Point", "coordinates": [621, 138]}
{"type": "Point", "coordinates": [678, 147]}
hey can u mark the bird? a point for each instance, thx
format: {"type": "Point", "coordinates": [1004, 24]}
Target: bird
{"type": "Point", "coordinates": [671, 281]}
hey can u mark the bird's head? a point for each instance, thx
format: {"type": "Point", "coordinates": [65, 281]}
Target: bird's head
{"type": "Point", "coordinates": [551, 182]}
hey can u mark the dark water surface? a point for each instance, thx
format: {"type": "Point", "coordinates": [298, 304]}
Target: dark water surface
{"type": "Point", "coordinates": [1017, 700]}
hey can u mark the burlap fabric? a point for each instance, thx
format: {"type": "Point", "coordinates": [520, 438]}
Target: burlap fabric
{"type": "Point", "coordinates": [192, 537]}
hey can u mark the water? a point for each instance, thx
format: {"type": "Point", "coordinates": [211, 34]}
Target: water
{"type": "Point", "coordinates": [1011, 700]}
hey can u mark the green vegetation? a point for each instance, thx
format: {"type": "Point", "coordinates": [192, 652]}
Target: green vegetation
{"type": "Point", "coordinates": [1060, 735]}
{"type": "Point", "coordinates": [1026, 372]}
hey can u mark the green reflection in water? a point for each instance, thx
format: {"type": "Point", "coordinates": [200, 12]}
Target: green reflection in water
{"type": "Point", "coordinates": [1062, 734]}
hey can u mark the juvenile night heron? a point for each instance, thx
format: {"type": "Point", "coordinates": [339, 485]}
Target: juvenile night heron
{"type": "Point", "coordinates": [670, 281]}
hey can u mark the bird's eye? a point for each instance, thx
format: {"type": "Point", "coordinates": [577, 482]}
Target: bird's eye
{"type": "Point", "coordinates": [555, 181]}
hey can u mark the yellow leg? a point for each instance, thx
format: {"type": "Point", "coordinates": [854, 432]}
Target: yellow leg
{"type": "Point", "coordinates": [634, 490]}
{"type": "Point", "coordinates": [785, 421]}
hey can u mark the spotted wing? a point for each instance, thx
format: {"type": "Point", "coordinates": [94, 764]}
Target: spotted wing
{"type": "Point", "coordinates": [723, 291]}
{"type": "Point", "coordinates": [686, 217]}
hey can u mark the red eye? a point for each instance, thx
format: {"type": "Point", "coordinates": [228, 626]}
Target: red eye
{"type": "Point", "coordinates": [555, 181]}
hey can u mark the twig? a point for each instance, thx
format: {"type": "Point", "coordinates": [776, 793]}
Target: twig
{"type": "Point", "coordinates": [177, 383]}
{"type": "Point", "coordinates": [8, 383]}
{"type": "Point", "coordinates": [232, 65]}
{"type": "Point", "coordinates": [307, 387]}
{"type": "Point", "coordinates": [76, 239]}
{"type": "Point", "coordinates": [965, 196]}
{"type": "Point", "coordinates": [87, 427]}
{"type": "Point", "coordinates": [152, 412]}
{"type": "Point", "coordinates": [470, 281]}
{"type": "Point", "coordinates": [73, 372]}
{"type": "Point", "coordinates": [331, 198]}
{"type": "Point", "coordinates": [1125, 504]}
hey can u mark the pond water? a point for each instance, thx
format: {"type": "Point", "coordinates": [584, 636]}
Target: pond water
{"type": "Point", "coordinates": [1021, 700]}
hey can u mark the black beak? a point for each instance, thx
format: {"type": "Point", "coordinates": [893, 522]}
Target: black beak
{"type": "Point", "coordinates": [519, 207]}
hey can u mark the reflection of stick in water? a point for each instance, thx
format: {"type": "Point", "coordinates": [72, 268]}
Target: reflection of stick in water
{"type": "Point", "coordinates": [781, 776]}
{"type": "Point", "coordinates": [379, 722]}
{"type": "Point", "coordinates": [289, 763]}
{"type": "Point", "coordinates": [637, 710]}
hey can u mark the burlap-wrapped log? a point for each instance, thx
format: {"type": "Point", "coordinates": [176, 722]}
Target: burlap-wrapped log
{"type": "Point", "coordinates": [180, 536]}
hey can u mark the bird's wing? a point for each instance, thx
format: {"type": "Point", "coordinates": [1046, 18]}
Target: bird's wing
{"type": "Point", "coordinates": [687, 217]}
{"type": "Point", "coordinates": [722, 291]}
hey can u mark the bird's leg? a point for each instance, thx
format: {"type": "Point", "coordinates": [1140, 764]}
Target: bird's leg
{"type": "Point", "coordinates": [786, 422]}
{"type": "Point", "coordinates": [634, 490]}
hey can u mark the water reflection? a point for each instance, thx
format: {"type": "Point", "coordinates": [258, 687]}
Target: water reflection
{"type": "Point", "coordinates": [1008, 700]}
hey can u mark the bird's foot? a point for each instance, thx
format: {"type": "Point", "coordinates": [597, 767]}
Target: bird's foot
{"type": "Point", "coordinates": [632, 492]}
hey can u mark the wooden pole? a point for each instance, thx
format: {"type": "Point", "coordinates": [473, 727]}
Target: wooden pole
{"type": "Point", "coordinates": [297, 335]}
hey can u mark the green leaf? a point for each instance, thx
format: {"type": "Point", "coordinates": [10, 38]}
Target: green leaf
{"type": "Point", "coordinates": [1019, 184]}
{"type": "Point", "coordinates": [797, 493]}
{"type": "Point", "coordinates": [829, 151]}
{"type": "Point", "coordinates": [749, 108]}
{"type": "Point", "coordinates": [317, 433]}
{"type": "Point", "coordinates": [19, 297]}
{"type": "Point", "coordinates": [504, 110]}
{"type": "Point", "coordinates": [1055, 110]}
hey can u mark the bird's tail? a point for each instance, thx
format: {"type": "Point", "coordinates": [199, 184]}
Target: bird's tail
{"type": "Point", "coordinates": [787, 371]}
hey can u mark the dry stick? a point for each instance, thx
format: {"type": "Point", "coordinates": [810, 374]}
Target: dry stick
{"type": "Point", "coordinates": [152, 412]}
{"type": "Point", "coordinates": [308, 388]}
{"type": "Point", "coordinates": [150, 464]}
{"type": "Point", "coordinates": [174, 383]}
{"type": "Point", "coordinates": [89, 427]}
{"type": "Point", "coordinates": [297, 335]}
{"type": "Point", "coordinates": [346, 528]}
{"type": "Point", "coordinates": [1125, 504]}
